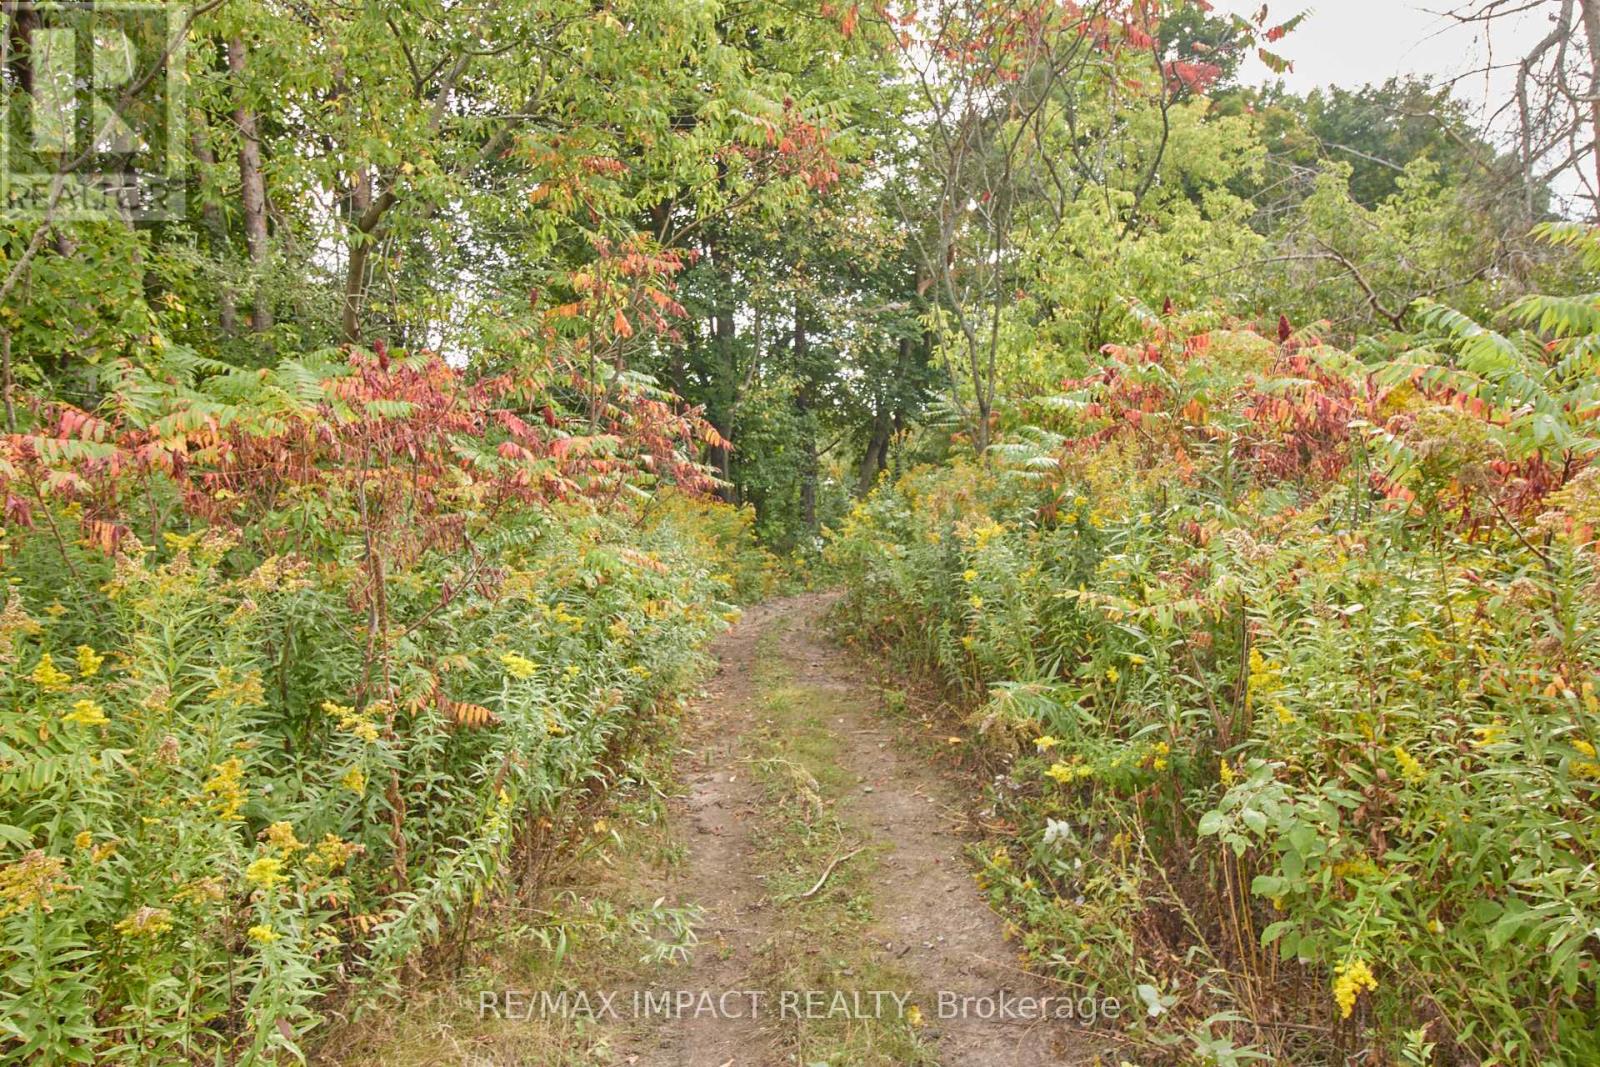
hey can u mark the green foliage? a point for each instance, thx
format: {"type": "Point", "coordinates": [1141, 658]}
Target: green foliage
{"type": "Point", "coordinates": [1540, 379]}
{"type": "Point", "coordinates": [311, 640]}
{"type": "Point", "coordinates": [389, 624]}
{"type": "Point", "coordinates": [232, 833]}
{"type": "Point", "coordinates": [235, 837]}
{"type": "Point", "coordinates": [1379, 131]}
{"type": "Point", "coordinates": [1287, 731]}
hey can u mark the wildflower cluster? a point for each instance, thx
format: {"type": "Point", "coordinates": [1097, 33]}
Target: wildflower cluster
{"type": "Point", "coordinates": [34, 880]}
{"type": "Point", "coordinates": [351, 721]}
{"type": "Point", "coordinates": [1372, 691]}
{"type": "Point", "coordinates": [1351, 978]}
{"type": "Point", "coordinates": [226, 788]}
{"type": "Point", "coordinates": [201, 760]}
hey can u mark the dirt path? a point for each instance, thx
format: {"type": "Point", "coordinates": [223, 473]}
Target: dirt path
{"type": "Point", "coordinates": [717, 819]}
{"type": "Point", "coordinates": [922, 921]}
{"type": "Point", "coordinates": [806, 851]}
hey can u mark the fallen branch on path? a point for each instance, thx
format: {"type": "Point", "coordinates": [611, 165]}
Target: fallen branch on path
{"type": "Point", "coordinates": [814, 890]}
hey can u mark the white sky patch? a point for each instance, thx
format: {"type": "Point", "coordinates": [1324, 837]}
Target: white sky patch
{"type": "Point", "coordinates": [1353, 42]}
{"type": "Point", "coordinates": [1350, 43]}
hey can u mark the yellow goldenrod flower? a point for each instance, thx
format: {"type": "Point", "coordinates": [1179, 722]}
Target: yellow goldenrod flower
{"type": "Point", "coordinates": [355, 780]}
{"type": "Point", "coordinates": [1352, 978]}
{"type": "Point", "coordinates": [201, 891]}
{"type": "Point", "coordinates": [247, 691]}
{"type": "Point", "coordinates": [226, 786]}
{"type": "Point", "coordinates": [262, 934]}
{"type": "Point", "coordinates": [969, 575]}
{"type": "Point", "coordinates": [83, 840]}
{"type": "Point", "coordinates": [1587, 768]}
{"type": "Point", "coordinates": [1045, 743]}
{"type": "Point", "coordinates": [86, 713]}
{"type": "Point", "coordinates": [519, 666]}
{"type": "Point", "coordinates": [146, 922]}
{"type": "Point", "coordinates": [1061, 772]}
{"type": "Point", "coordinates": [33, 879]}
{"type": "Point", "coordinates": [337, 710]}
{"type": "Point", "coordinates": [47, 676]}
{"type": "Point", "coordinates": [267, 871]}
{"type": "Point", "coordinates": [280, 835]}
{"type": "Point", "coordinates": [1410, 769]}
{"type": "Point", "coordinates": [987, 532]}
{"type": "Point", "coordinates": [332, 853]}
{"type": "Point", "coordinates": [1263, 677]}
{"type": "Point", "coordinates": [89, 662]}
{"type": "Point", "coordinates": [182, 542]}
{"type": "Point", "coordinates": [1489, 735]}
{"type": "Point", "coordinates": [351, 721]}
{"type": "Point", "coordinates": [1113, 675]}
{"type": "Point", "coordinates": [1225, 774]}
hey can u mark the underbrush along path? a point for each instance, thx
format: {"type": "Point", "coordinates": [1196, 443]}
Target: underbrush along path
{"type": "Point", "coordinates": [828, 860]}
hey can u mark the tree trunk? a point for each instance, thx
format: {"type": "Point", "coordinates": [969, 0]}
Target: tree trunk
{"type": "Point", "coordinates": [253, 190]}
{"type": "Point", "coordinates": [20, 21]}
{"type": "Point", "coordinates": [364, 214]}
{"type": "Point", "coordinates": [5, 379]}
{"type": "Point", "coordinates": [1591, 33]}
{"type": "Point", "coordinates": [360, 248]}
{"type": "Point", "coordinates": [727, 393]}
{"type": "Point", "coordinates": [211, 216]}
{"type": "Point", "coordinates": [803, 405]}
{"type": "Point", "coordinates": [724, 391]}
{"type": "Point", "coordinates": [876, 461]}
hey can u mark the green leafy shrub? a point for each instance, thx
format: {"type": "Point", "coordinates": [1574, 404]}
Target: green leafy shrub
{"type": "Point", "coordinates": [1292, 681]}
{"type": "Point", "coordinates": [380, 647]}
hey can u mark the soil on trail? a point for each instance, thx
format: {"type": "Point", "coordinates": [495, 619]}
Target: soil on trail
{"type": "Point", "coordinates": [808, 848]}
{"type": "Point", "coordinates": [927, 918]}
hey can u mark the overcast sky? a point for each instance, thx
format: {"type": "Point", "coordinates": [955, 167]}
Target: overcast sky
{"type": "Point", "coordinates": [1350, 42]}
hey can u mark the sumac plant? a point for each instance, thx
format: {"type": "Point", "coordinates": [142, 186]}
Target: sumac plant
{"type": "Point", "coordinates": [298, 664]}
{"type": "Point", "coordinates": [1286, 664]}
